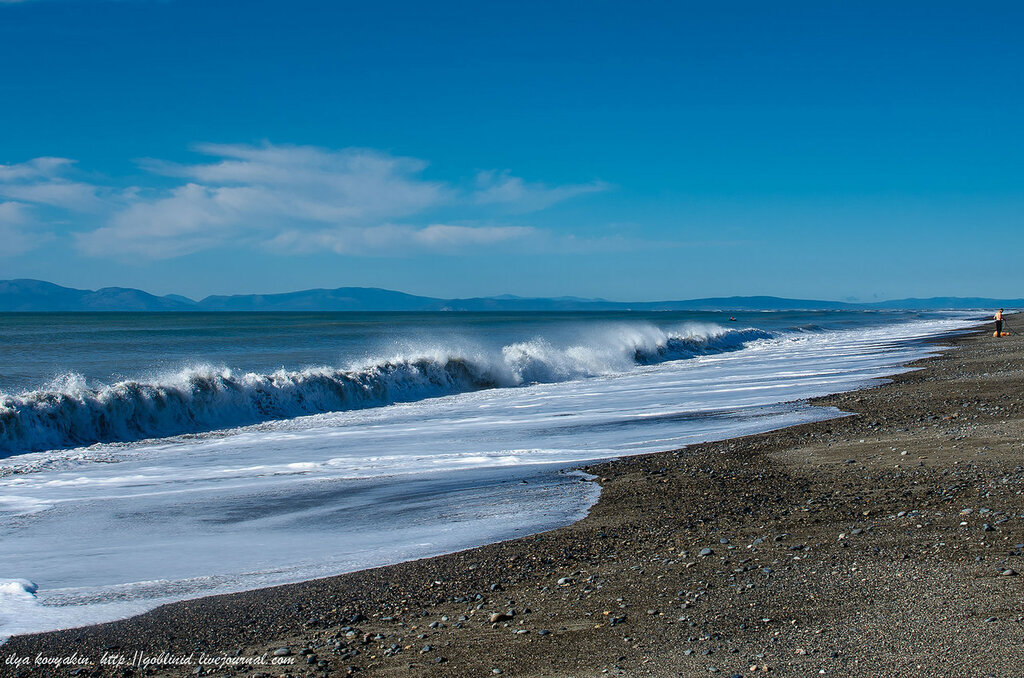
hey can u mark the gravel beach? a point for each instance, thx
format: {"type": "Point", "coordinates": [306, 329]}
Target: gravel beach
{"type": "Point", "coordinates": [887, 542]}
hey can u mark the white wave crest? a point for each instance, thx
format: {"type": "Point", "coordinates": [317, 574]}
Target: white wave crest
{"type": "Point", "coordinates": [69, 412]}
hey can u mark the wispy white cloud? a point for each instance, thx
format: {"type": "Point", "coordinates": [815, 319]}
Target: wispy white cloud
{"type": "Point", "coordinates": [289, 199]}
{"type": "Point", "coordinates": [19, 233]}
{"type": "Point", "coordinates": [37, 168]}
{"type": "Point", "coordinates": [190, 219]}
{"type": "Point", "coordinates": [313, 183]}
{"type": "Point", "coordinates": [393, 239]}
{"type": "Point", "coordinates": [44, 181]}
{"type": "Point", "coordinates": [505, 189]}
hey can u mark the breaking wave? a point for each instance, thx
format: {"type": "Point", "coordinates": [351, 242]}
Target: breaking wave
{"type": "Point", "coordinates": [69, 412]}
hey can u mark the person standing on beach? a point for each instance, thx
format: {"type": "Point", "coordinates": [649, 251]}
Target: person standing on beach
{"type": "Point", "coordinates": [999, 323]}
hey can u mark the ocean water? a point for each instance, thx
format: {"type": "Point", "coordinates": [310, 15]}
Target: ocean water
{"type": "Point", "coordinates": [146, 458]}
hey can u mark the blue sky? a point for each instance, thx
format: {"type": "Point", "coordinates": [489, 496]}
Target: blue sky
{"type": "Point", "coordinates": [641, 150]}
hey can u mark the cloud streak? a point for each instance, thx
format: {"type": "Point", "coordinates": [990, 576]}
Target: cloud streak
{"type": "Point", "coordinates": [504, 189]}
{"type": "Point", "coordinates": [400, 240]}
{"type": "Point", "coordinates": [288, 199]}
{"type": "Point", "coordinates": [44, 181]}
{"type": "Point", "coordinates": [18, 232]}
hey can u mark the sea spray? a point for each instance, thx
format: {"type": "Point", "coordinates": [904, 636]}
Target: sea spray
{"type": "Point", "coordinates": [69, 412]}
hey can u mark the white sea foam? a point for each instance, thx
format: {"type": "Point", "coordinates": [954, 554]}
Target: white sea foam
{"type": "Point", "coordinates": [69, 412]}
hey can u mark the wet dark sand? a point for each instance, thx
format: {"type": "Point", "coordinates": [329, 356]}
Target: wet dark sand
{"type": "Point", "coordinates": [884, 543]}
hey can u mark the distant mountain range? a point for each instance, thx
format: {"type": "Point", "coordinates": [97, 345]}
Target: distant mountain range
{"type": "Point", "coordinates": [37, 295]}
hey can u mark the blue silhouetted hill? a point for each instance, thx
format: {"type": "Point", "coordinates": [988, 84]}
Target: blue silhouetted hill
{"type": "Point", "coordinates": [37, 295]}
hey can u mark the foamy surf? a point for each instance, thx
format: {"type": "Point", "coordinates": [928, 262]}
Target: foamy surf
{"type": "Point", "coordinates": [69, 412]}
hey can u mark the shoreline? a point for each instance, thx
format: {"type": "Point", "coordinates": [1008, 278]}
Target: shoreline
{"type": "Point", "coordinates": [637, 596]}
